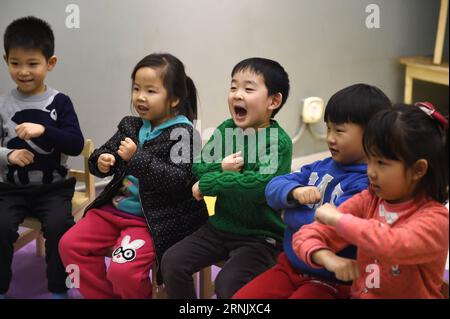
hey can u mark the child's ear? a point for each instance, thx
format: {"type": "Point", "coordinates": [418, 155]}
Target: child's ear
{"type": "Point", "coordinates": [420, 168]}
{"type": "Point", "coordinates": [51, 62]}
{"type": "Point", "coordinates": [276, 100]}
{"type": "Point", "coordinates": [174, 102]}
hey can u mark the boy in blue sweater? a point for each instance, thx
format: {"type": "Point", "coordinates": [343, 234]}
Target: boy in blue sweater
{"type": "Point", "coordinates": [39, 129]}
{"type": "Point", "coordinates": [332, 180]}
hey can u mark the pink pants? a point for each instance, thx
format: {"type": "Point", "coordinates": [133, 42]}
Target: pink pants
{"type": "Point", "coordinates": [87, 243]}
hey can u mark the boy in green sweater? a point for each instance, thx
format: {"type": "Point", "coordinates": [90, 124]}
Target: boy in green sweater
{"type": "Point", "coordinates": [243, 155]}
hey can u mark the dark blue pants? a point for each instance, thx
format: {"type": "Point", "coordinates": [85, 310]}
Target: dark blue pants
{"type": "Point", "coordinates": [52, 205]}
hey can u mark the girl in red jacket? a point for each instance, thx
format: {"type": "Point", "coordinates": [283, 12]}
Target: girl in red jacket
{"type": "Point", "coordinates": [399, 224]}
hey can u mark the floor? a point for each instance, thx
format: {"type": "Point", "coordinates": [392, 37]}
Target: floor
{"type": "Point", "coordinates": [29, 280]}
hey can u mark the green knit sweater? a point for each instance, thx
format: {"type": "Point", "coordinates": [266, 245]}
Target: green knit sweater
{"type": "Point", "coordinates": [241, 206]}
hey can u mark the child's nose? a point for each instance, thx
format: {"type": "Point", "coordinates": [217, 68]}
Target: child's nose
{"type": "Point", "coordinates": [24, 71]}
{"type": "Point", "coordinates": [238, 95]}
{"type": "Point", "coordinates": [330, 138]}
{"type": "Point", "coordinates": [371, 173]}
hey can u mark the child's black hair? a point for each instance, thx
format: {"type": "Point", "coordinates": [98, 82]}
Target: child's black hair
{"type": "Point", "coordinates": [355, 104]}
{"type": "Point", "coordinates": [29, 33]}
{"type": "Point", "coordinates": [275, 77]}
{"type": "Point", "coordinates": [176, 82]}
{"type": "Point", "coordinates": [406, 133]}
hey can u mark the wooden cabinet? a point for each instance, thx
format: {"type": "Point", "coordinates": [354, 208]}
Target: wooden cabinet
{"type": "Point", "coordinates": [430, 69]}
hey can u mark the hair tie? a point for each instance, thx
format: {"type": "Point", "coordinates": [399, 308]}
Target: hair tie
{"type": "Point", "coordinates": [431, 111]}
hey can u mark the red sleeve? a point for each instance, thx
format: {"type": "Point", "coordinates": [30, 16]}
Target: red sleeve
{"type": "Point", "coordinates": [313, 237]}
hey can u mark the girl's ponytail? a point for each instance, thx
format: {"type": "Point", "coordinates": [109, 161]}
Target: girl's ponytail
{"type": "Point", "coordinates": [190, 104]}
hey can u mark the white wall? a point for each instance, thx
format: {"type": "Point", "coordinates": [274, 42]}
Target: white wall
{"type": "Point", "coordinates": [323, 44]}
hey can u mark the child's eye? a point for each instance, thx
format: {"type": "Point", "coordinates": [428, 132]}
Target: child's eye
{"type": "Point", "coordinates": [249, 89]}
{"type": "Point", "coordinates": [151, 91]}
{"type": "Point", "coordinates": [233, 88]}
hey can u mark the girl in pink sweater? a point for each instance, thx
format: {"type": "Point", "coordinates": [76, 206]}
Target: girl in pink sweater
{"type": "Point", "coordinates": [400, 225]}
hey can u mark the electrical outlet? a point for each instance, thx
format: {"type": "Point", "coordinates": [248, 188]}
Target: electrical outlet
{"type": "Point", "coordinates": [312, 110]}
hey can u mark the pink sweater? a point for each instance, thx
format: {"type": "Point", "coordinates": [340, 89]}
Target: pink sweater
{"type": "Point", "coordinates": [405, 243]}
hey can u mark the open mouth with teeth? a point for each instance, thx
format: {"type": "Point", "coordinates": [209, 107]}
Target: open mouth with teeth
{"type": "Point", "coordinates": [333, 151]}
{"type": "Point", "coordinates": [142, 108]}
{"type": "Point", "coordinates": [240, 113]}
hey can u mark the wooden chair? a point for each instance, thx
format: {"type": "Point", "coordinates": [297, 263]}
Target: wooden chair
{"type": "Point", "coordinates": [159, 291]}
{"type": "Point", "coordinates": [205, 281]}
{"type": "Point", "coordinates": [79, 201]}
{"type": "Point", "coordinates": [444, 288]}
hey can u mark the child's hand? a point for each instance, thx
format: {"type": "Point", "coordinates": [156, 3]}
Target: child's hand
{"type": "Point", "coordinates": [344, 269]}
{"type": "Point", "coordinates": [328, 215]}
{"type": "Point", "coordinates": [26, 131]}
{"type": "Point", "coordinates": [105, 161]}
{"type": "Point", "coordinates": [307, 195]}
{"type": "Point", "coordinates": [196, 192]}
{"type": "Point", "coordinates": [233, 162]}
{"type": "Point", "coordinates": [127, 149]}
{"type": "Point", "coordinates": [21, 157]}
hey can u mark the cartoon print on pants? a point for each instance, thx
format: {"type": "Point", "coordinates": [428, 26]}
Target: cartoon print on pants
{"type": "Point", "coordinates": [127, 251]}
